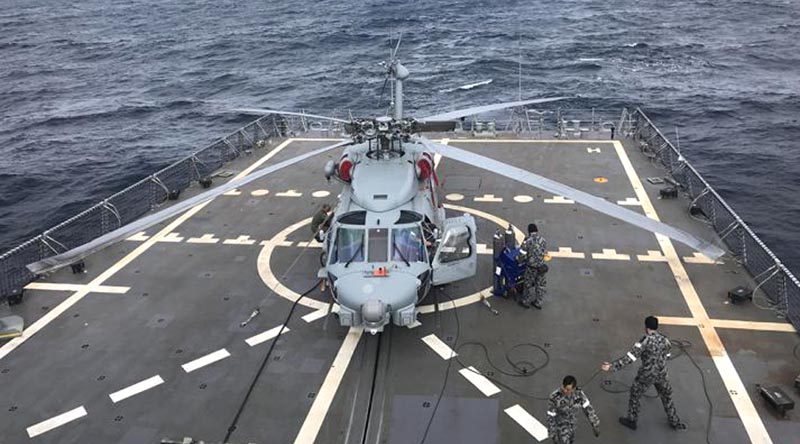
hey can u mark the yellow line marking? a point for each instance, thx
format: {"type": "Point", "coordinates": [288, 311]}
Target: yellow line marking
{"type": "Point", "coordinates": [204, 239]}
{"type": "Point", "coordinates": [730, 323]}
{"type": "Point", "coordinates": [611, 254]}
{"type": "Point", "coordinates": [566, 252]}
{"type": "Point", "coordinates": [322, 402]}
{"type": "Point", "coordinates": [700, 258]}
{"type": "Point", "coordinates": [138, 251]}
{"type": "Point", "coordinates": [652, 256]}
{"type": "Point", "coordinates": [559, 200]}
{"type": "Point", "coordinates": [241, 240]}
{"type": "Point", "coordinates": [733, 382]}
{"type": "Point", "coordinates": [52, 286]}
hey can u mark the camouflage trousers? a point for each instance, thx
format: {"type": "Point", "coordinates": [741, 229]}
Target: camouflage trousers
{"type": "Point", "coordinates": [534, 284]}
{"type": "Point", "coordinates": [664, 390]}
{"type": "Point", "coordinates": [563, 434]}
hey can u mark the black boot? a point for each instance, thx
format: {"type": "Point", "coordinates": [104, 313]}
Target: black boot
{"type": "Point", "coordinates": [678, 426]}
{"type": "Point", "coordinates": [627, 422]}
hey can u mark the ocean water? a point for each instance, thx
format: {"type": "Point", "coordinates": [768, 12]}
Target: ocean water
{"type": "Point", "coordinates": [95, 95]}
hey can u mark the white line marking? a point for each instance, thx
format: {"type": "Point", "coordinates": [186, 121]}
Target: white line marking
{"type": "Point", "coordinates": [241, 240]}
{"type": "Point", "coordinates": [522, 198]}
{"type": "Point", "coordinates": [652, 256]}
{"type": "Point", "coordinates": [733, 383]}
{"type": "Point", "coordinates": [259, 193]}
{"type": "Point", "coordinates": [479, 381]}
{"type": "Point", "coordinates": [321, 193]}
{"type": "Point", "coordinates": [172, 237]}
{"type": "Point", "coordinates": [135, 389]}
{"type": "Point", "coordinates": [235, 192]}
{"type": "Point", "coordinates": [52, 286]}
{"type": "Point", "coordinates": [265, 336]}
{"type": "Point", "coordinates": [139, 237]}
{"type": "Point", "coordinates": [56, 421]}
{"type": "Point", "coordinates": [455, 197]}
{"type": "Point", "coordinates": [75, 298]}
{"type": "Point", "coordinates": [205, 360]}
{"type": "Point", "coordinates": [593, 150]}
{"type": "Point", "coordinates": [322, 402]}
{"type": "Point", "coordinates": [289, 193]}
{"type": "Point", "coordinates": [611, 254]}
{"type": "Point", "coordinates": [439, 347]}
{"type": "Point", "coordinates": [528, 422]}
{"type": "Point", "coordinates": [488, 198]}
{"type": "Point", "coordinates": [559, 200]}
{"type": "Point", "coordinates": [204, 239]}
{"type": "Point", "coordinates": [314, 315]}
{"type": "Point", "coordinates": [630, 202]}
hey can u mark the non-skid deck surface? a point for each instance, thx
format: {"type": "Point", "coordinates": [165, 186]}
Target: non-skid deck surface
{"type": "Point", "coordinates": [148, 343]}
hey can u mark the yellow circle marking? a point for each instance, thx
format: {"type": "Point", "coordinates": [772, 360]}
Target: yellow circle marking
{"type": "Point", "coordinates": [321, 193]}
{"type": "Point", "coordinates": [600, 179]}
{"type": "Point", "coordinates": [455, 197]}
{"type": "Point", "coordinates": [272, 282]}
{"type": "Point", "coordinates": [523, 198]}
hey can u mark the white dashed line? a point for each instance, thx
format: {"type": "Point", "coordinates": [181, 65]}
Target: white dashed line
{"type": "Point", "coordinates": [527, 421]}
{"type": "Point", "coordinates": [630, 202]}
{"type": "Point", "coordinates": [265, 336]}
{"type": "Point", "coordinates": [56, 421]}
{"type": "Point", "coordinates": [173, 237]}
{"type": "Point", "coordinates": [204, 239]}
{"type": "Point", "coordinates": [321, 193]}
{"type": "Point", "coordinates": [259, 193]}
{"type": "Point", "coordinates": [52, 286]}
{"type": "Point", "coordinates": [523, 198]}
{"type": "Point", "coordinates": [241, 240]}
{"type": "Point", "coordinates": [233, 193]}
{"type": "Point", "coordinates": [316, 314]}
{"type": "Point", "coordinates": [611, 254]}
{"type": "Point", "coordinates": [455, 197]}
{"type": "Point", "coordinates": [135, 389]}
{"type": "Point", "coordinates": [439, 347]}
{"type": "Point", "coordinates": [139, 237]}
{"type": "Point", "coordinates": [488, 198]}
{"type": "Point", "coordinates": [559, 200]}
{"type": "Point", "coordinates": [652, 256]}
{"type": "Point", "coordinates": [593, 150]}
{"type": "Point", "coordinates": [700, 258]}
{"type": "Point", "coordinates": [205, 360]}
{"type": "Point", "coordinates": [566, 252]}
{"type": "Point", "coordinates": [479, 381]}
{"type": "Point", "coordinates": [289, 193]}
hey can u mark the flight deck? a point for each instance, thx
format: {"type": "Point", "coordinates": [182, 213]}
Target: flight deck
{"type": "Point", "coordinates": [148, 344]}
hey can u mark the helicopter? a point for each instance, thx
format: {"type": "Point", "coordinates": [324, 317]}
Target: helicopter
{"type": "Point", "coordinates": [390, 240]}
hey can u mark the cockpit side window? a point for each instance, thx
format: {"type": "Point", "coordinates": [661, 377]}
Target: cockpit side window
{"type": "Point", "coordinates": [378, 245]}
{"type": "Point", "coordinates": [407, 245]}
{"type": "Point", "coordinates": [349, 245]}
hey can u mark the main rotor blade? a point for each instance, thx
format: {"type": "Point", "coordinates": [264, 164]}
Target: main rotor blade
{"type": "Point", "coordinates": [259, 111]}
{"type": "Point", "coordinates": [55, 262]}
{"type": "Point", "coordinates": [457, 114]}
{"type": "Point", "coordinates": [582, 197]}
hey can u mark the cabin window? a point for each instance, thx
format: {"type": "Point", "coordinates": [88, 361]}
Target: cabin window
{"type": "Point", "coordinates": [349, 245]}
{"type": "Point", "coordinates": [455, 245]}
{"type": "Point", "coordinates": [378, 245]}
{"type": "Point", "coordinates": [407, 244]}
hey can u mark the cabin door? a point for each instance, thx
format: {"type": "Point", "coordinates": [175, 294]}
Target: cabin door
{"type": "Point", "coordinates": [456, 257]}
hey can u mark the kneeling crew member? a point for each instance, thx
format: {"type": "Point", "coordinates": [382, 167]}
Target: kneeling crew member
{"type": "Point", "coordinates": [561, 412]}
{"type": "Point", "coordinates": [532, 252]}
{"type": "Point", "coordinates": [653, 349]}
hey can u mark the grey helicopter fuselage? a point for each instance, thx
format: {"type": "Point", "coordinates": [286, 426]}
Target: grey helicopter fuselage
{"type": "Point", "coordinates": [389, 240]}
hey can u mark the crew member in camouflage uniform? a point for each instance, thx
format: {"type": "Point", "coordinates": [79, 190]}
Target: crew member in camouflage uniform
{"type": "Point", "coordinates": [321, 222]}
{"type": "Point", "coordinates": [653, 350]}
{"type": "Point", "coordinates": [561, 412]}
{"type": "Point", "coordinates": [532, 252]}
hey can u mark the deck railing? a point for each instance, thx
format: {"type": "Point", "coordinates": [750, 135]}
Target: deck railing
{"type": "Point", "coordinates": [134, 201]}
{"type": "Point", "coordinates": [778, 284]}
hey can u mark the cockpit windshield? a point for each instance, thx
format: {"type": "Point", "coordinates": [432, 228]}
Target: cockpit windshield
{"type": "Point", "coordinates": [407, 245]}
{"type": "Point", "coordinates": [349, 245]}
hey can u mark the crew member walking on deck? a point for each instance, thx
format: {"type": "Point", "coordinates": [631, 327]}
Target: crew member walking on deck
{"type": "Point", "coordinates": [532, 253]}
{"type": "Point", "coordinates": [561, 412]}
{"type": "Point", "coordinates": [653, 350]}
{"type": "Point", "coordinates": [321, 221]}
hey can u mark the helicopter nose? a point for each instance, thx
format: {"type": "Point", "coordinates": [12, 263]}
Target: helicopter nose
{"type": "Point", "coordinates": [374, 301]}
